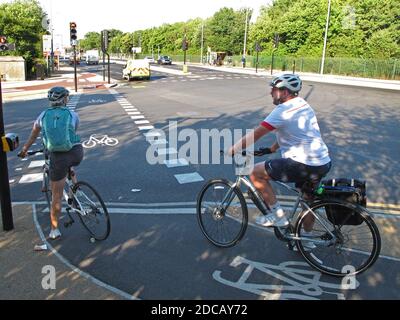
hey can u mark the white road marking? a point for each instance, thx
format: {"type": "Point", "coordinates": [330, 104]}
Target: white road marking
{"type": "Point", "coordinates": [144, 128]}
{"type": "Point", "coordinates": [137, 117]}
{"type": "Point", "coordinates": [36, 164]}
{"type": "Point", "coordinates": [189, 178]}
{"type": "Point", "coordinates": [142, 122]}
{"type": "Point", "coordinates": [77, 270]}
{"type": "Point", "coordinates": [176, 163]}
{"type": "Point", "coordinates": [29, 178]}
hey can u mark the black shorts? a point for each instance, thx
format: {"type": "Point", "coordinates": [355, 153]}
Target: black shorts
{"type": "Point", "coordinates": [288, 170]}
{"type": "Point", "coordinates": [60, 162]}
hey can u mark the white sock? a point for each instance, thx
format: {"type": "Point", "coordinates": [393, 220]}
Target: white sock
{"type": "Point", "coordinates": [277, 210]}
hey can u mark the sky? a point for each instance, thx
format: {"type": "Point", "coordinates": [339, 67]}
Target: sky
{"type": "Point", "coordinates": [131, 15]}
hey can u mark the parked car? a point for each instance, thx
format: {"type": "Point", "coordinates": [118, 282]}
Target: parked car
{"type": "Point", "coordinates": [149, 59]}
{"type": "Point", "coordinates": [164, 60]}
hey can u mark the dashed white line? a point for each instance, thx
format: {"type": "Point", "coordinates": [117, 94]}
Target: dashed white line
{"type": "Point", "coordinates": [29, 178]}
{"type": "Point", "coordinates": [137, 117]}
{"type": "Point", "coordinates": [142, 122]}
{"type": "Point", "coordinates": [189, 178]}
{"type": "Point", "coordinates": [36, 164]}
{"type": "Point", "coordinates": [144, 128]}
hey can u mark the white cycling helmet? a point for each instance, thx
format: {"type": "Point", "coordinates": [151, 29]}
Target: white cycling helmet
{"type": "Point", "coordinates": [292, 82]}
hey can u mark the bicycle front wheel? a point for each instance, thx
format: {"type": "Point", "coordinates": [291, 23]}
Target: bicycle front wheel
{"type": "Point", "coordinates": [222, 213]}
{"type": "Point", "coordinates": [338, 249]}
{"type": "Point", "coordinates": [93, 212]}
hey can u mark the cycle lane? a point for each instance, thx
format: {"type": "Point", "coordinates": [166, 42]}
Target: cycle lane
{"type": "Point", "coordinates": [160, 253]}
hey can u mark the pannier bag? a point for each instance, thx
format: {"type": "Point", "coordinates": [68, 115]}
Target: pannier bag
{"type": "Point", "coordinates": [350, 190]}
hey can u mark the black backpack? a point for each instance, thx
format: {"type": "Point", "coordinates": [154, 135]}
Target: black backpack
{"type": "Point", "coordinates": [350, 190]}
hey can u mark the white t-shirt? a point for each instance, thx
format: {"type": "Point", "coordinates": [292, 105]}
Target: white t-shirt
{"type": "Point", "coordinates": [298, 133]}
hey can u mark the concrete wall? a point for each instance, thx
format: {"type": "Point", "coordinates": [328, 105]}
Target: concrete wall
{"type": "Point", "coordinates": [12, 68]}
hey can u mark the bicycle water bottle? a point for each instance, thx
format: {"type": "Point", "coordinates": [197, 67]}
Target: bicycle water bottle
{"type": "Point", "coordinates": [320, 190]}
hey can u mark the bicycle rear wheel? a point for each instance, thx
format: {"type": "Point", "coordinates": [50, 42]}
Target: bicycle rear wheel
{"type": "Point", "coordinates": [222, 213]}
{"type": "Point", "coordinates": [345, 249]}
{"type": "Point", "coordinates": [93, 212]}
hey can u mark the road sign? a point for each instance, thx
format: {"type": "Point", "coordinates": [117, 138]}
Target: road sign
{"type": "Point", "coordinates": [46, 43]}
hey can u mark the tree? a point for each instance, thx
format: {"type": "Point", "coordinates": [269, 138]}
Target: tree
{"type": "Point", "coordinates": [92, 40]}
{"type": "Point", "coordinates": [21, 23]}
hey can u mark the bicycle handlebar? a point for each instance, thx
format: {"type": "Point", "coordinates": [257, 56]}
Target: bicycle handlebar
{"type": "Point", "coordinates": [257, 153]}
{"type": "Point", "coordinates": [31, 153]}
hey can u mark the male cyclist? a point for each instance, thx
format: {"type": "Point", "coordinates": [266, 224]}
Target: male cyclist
{"type": "Point", "coordinates": [305, 156]}
{"type": "Point", "coordinates": [60, 161]}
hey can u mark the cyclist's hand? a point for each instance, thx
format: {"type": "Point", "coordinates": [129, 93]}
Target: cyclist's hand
{"type": "Point", "coordinates": [22, 154]}
{"type": "Point", "coordinates": [262, 151]}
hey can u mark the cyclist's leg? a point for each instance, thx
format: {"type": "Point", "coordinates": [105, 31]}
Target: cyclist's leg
{"type": "Point", "coordinates": [314, 176]}
{"type": "Point", "coordinates": [260, 179]}
{"type": "Point", "coordinates": [75, 157]}
{"type": "Point", "coordinates": [57, 188]}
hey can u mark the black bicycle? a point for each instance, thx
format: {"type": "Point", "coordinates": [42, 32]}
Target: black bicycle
{"type": "Point", "coordinates": [330, 233]}
{"type": "Point", "coordinates": [82, 199]}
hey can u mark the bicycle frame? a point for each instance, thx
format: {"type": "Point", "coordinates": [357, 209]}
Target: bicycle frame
{"type": "Point", "coordinates": [242, 179]}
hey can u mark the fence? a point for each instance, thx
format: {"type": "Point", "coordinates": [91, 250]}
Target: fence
{"type": "Point", "coordinates": [366, 68]}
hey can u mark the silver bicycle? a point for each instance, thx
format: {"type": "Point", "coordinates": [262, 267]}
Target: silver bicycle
{"type": "Point", "coordinates": [329, 245]}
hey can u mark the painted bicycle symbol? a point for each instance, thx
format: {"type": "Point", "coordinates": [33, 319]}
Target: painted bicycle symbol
{"type": "Point", "coordinates": [96, 139]}
{"type": "Point", "coordinates": [296, 281]}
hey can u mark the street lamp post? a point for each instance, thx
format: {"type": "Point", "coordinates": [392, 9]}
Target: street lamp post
{"type": "Point", "coordinates": [202, 42]}
{"type": "Point", "coordinates": [326, 37]}
{"type": "Point", "coordinates": [245, 34]}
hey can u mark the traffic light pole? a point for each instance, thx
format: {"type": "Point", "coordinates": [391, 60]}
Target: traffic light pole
{"type": "Point", "coordinates": [75, 74]}
{"type": "Point", "coordinates": [257, 63]}
{"type": "Point", "coordinates": [109, 74]}
{"type": "Point", "coordinates": [6, 208]}
{"type": "Point", "coordinates": [104, 67]}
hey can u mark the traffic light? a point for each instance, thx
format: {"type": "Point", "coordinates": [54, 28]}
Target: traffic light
{"type": "Point", "coordinates": [105, 40]}
{"type": "Point", "coordinates": [3, 43]}
{"type": "Point", "coordinates": [185, 45]}
{"type": "Point", "coordinates": [276, 40]}
{"type": "Point", "coordinates": [73, 33]}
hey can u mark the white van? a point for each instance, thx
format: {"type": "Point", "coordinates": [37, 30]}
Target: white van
{"type": "Point", "coordinates": [137, 68]}
{"type": "Point", "coordinates": [92, 57]}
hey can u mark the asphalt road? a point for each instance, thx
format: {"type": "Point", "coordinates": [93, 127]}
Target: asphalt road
{"type": "Point", "coordinates": [156, 250]}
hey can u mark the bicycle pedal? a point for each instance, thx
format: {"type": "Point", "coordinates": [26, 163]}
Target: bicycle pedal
{"type": "Point", "coordinates": [70, 201]}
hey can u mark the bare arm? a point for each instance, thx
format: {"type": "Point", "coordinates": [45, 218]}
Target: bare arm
{"type": "Point", "coordinates": [275, 147]}
{"type": "Point", "coordinates": [249, 139]}
{"type": "Point", "coordinates": [32, 138]}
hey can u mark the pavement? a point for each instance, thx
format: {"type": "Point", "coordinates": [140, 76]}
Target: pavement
{"type": "Point", "coordinates": [23, 270]}
{"type": "Point", "coordinates": [26, 90]}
